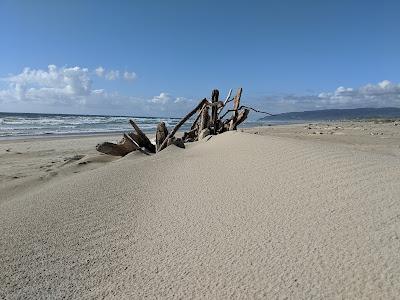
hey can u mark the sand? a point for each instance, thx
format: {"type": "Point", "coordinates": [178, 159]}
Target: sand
{"type": "Point", "coordinates": [239, 215]}
{"type": "Point", "coordinates": [379, 136]}
{"type": "Point", "coordinates": [26, 164]}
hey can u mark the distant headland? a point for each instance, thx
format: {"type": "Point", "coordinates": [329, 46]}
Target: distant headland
{"type": "Point", "coordinates": [337, 114]}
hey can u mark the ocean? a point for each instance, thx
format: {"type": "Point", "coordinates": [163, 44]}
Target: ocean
{"type": "Point", "coordinates": [33, 124]}
{"type": "Point", "coordinates": [14, 125]}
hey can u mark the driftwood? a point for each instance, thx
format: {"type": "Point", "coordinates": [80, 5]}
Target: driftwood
{"type": "Point", "coordinates": [190, 135]}
{"type": "Point", "coordinates": [176, 128]}
{"type": "Point", "coordinates": [120, 149]}
{"type": "Point", "coordinates": [204, 124]}
{"type": "Point", "coordinates": [145, 140]}
{"type": "Point", "coordinates": [176, 141]}
{"type": "Point", "coordinates": [129, 142]}
{"type": "Point", "coordinates": [240, 118]}
{"type": "Point", "coordinates": [236, 103]}
{"type": "Point", "coordinates": [227, 99]}
{"type": "Point", "coordinates": [204, 119]}
{"type": "Point", "coordinates": [161, 135]}
{"type": "Point", "coordinates": [135, 145]}
{"type": "Point", "coordinates": [214, 111]}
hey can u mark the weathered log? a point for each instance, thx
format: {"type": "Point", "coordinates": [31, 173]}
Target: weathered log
{"type": "Point", "coordinates": [112, 149]}
{"type": "Point", "coordinates": [202, 134]}
{"type": "Point", "coordinates": [181, 122]}
{"type": "Point", "coordinates": [236, 103]}
{"type": "Point", "coordinates": [137, 138]}
{"type": "Point", "coordinates": [241, 117]}
{"type": "Point", "coordinates": [135, 145]}
{"type": "Point", "coordinates": [170, 141]}
{"type": "Point", "coordinates": [176, 141]}
{"type": "Point", "coordinates": [219, 105]}
{"type": "Point", "coordinates": [146, 142]}
{"type": "Point", "coordinates": [161, 135]}
{"type": "Point", "coordinates": [232, 123]}
{"type": "Point", "coordinates": [179, 143]}
{"type": "Point", "coordinates": [214, 111]}
{"type": "Point", "coordinates": [236, 100]}
{"type": "Point", "coordinates": [190, 135]}
{"type": "Point", "coordinates": [204, 119]}
{"type": "Point", "coordinates": [122, 148]}
{"type": "Point", "coordinates": [224, 126]}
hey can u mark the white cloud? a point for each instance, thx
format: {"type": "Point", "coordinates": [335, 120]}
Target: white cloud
{"type": "Point", "coordinates": [182, 100]}
{"type": "Point", "coordinates": [384, 84]}
{"type": "Point", "coordinates": [51, 85]}
{"type": "Point", "coordinates": [130, 75]}
{"type": "Point", "coordinates": [112, 75]}
{"type": "Point", "coordinates": [70, 90]}
{"type": "Point", "coordinates": [382, 94]}
{"type": "Point", "coordinates": [163, 98]}
{"type": "Point", "coordinates": [100, 71]}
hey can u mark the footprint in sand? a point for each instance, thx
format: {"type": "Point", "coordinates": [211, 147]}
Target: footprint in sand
{"type": "Point", "coordinates": [68, 160]}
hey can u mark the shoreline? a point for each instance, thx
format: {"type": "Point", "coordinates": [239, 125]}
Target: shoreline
{"type": "Point", "coordinates": [47, 137]}
{"type": "Point", "coordinates": [245, 126]}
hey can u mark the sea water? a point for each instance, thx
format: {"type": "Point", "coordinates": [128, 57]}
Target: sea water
{"type": "Point", "coordinates": [32, 124]}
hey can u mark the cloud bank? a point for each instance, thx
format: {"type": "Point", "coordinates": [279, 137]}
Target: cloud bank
{"type": "Point", "coordinates": [382, 94]}
{"type": "Point", "coordinates": [70, 90]}
{"type": "Point", "coordinates": [54, 85]}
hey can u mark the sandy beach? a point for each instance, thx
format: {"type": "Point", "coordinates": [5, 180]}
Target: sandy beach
{"type": "Point", "coordinates": [307, 211]}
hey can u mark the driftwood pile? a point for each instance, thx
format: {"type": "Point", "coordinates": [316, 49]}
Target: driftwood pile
{"type": "Point", "coordinates": [204, 125]}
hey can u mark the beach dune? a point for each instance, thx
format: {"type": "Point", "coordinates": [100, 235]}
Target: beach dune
{"type": "Point", "coordinates": [237, 215]}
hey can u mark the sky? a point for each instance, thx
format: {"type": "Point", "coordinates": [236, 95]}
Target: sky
{"type": "Point", "coordinates": [159, 58]}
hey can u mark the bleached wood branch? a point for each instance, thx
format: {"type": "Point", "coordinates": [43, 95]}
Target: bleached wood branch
{"type": "Point", "coordinates": [227, 100]}
{"type": "Point", "coordinates": [146, 141]}
{"type": "Point", "coordinates": [181, 122]}
{"type": "Point", "coordinates": [136, 144]}
{"type": "Point", "coordinates": [227, 97]}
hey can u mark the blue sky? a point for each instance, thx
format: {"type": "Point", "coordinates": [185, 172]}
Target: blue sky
{"type": "Point", "coordinates": [160, 57]}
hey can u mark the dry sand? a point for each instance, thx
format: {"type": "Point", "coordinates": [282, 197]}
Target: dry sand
{"type": "Point", "coordinates": [26, 164]}
{"type": "Point", "coordinates": [379, 136]}
{"type": "Point", "coordinates": [238, 215]}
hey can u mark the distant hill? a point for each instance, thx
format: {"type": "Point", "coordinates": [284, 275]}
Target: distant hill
{"type": "Point", "coordinates": [337, 114]}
